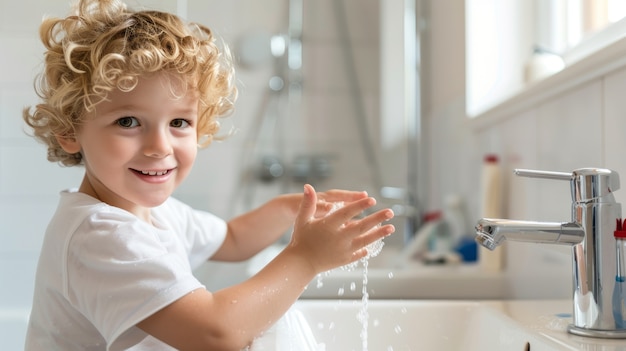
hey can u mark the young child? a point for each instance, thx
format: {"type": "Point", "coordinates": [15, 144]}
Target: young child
{"type": "Point", "coordinates": [130, 96]}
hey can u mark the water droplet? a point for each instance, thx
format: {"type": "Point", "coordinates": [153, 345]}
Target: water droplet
{"type": "Point", "coordinates": [320, 283]}
{"type": "Point", "coordinates": [373, 250]}
{"type": "Point", "coordinates": [397, 329]}
{"type": "Point", "coordinates": [390, 275]}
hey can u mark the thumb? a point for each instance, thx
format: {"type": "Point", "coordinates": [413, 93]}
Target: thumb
{"type": "Point", "coordinates": [308, 204]}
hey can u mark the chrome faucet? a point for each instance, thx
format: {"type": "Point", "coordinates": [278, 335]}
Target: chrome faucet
{"type": "Point", "coordinates": [595, 215]}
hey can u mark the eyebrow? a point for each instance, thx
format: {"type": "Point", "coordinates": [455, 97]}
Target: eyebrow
{"type": "Point", "coordinates": [132, 107]}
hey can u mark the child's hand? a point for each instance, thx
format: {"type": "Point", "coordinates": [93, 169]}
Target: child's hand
{"type": "Point", "coordinates": [327, 199]}
{"type": "Point", "coordinates": [338, 238]}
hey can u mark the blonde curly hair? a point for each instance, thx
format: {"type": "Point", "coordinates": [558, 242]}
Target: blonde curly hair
{"type": "Point", "coordinates": [104, 46]}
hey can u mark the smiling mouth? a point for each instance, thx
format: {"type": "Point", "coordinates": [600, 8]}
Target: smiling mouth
{"type": "Point", "coordinates": [153, 173]}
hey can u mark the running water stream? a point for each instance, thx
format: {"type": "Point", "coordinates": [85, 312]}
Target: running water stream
{"type": "Point", "coordinates": [373, 250]}
{"type": "Point", "coordinates": [363, 314]}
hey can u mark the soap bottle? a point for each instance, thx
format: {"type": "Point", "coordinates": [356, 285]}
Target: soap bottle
{"type": "Point", "coordinates": [454, 215]}
{"type": "Point", "coordinates": [418, 247]}
{"type": "Point", "coordinates": [441, 240]}
{"type": "Point", "coordinates": [491, 207]}
{"type": "Point", "coordinates": [619, 290]}
{"type": "Point", "coordinates": [456, 218]}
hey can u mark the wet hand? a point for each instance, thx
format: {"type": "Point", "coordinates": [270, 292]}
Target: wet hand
{"type": "Point", "coordinates": [337, 238]}
{"type": "Point", "coordinates": [326, 200]}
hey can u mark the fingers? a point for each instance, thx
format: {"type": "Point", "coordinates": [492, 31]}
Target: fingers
{"type": "Point", "coordinates": [362, 242]}
{"type": "Point", "coordinates": [344, 214]}
{"type": "Point", "coordinates": [336, 195]}
{"type": "Point", "coordinates": [372, 235]}
{"type": "Point", "coordinates": [359, 254]}
{"type": "Point", "coordinates": [330, 198]}
{"type": "Point", "coordinates": [372, 228]}
{"type": "Point", "coordinates": [374, 219]}
{"type": "Point", "coordinates": [308, 204]}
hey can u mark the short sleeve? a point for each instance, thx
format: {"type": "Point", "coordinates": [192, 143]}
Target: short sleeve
{"type": "Point", "coordinates": [202, 232]}
{"type": "Point", "coordinates": [121, 270]}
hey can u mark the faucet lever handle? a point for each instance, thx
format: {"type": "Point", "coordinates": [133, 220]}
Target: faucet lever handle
{"type": "Point", "coordinates": [531, 173]}
{"type": "Point", "coordinates": [586, 183]}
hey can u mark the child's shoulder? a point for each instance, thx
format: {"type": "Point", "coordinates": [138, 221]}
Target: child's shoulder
{"type": "Point", "coordinates": [80, 213]}
{"type": "Point", "coordinates": [80, 206]}
{"type": "Point", "coordinates": [90, 227]}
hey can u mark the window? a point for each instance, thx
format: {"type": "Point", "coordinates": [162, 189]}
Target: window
{"type": "Point", "coordinates": [501, 36]}
{"type": "Point", "coordinates": [576, 28]}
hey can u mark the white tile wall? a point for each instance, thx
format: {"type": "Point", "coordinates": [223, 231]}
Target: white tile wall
{"type": "Point", "coordinates": [579, 128]}
{"type": "Point", "coordinates": [25, 201]}
{"type": "Point", "coordinates": [613, 143]}
{"type": "Point", "coordinates": [567, 139]}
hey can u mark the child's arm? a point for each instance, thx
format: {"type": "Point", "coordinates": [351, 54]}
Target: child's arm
{"type": "Point", "coordinates": [255, 230]}
{"type": "Point", "coordinates": [229, 319]}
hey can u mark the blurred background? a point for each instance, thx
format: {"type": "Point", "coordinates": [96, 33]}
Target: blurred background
{"type": "Point", "coordinates": [402, 98]}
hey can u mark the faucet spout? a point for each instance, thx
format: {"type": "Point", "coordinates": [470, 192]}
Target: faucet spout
{"type": "Point", "coordinates": [491, 233]}
{"type": "Point", "coordinates": [595, 216]}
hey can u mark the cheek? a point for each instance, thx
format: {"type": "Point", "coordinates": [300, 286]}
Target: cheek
{"type": "Point", "coordinates": [117, 148]}
{"type": "Point", "coordinates": [118, 151]}
{"type": "Point", "coordinates": [189, 152]}
{"type": "Point", "coordinates": [193, 153]}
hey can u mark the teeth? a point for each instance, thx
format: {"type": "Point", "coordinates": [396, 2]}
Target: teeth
{"type": "Point", "coordinates": [154, 173]}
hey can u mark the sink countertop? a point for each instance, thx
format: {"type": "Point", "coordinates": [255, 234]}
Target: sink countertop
{"type": "Point", "coordinates": [549, 319]}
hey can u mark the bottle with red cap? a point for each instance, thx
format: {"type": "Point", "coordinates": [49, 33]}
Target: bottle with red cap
{"type": "Point", "coordinates": [619, 291]}
{"type": "Point", "coordinates": [491, 201]}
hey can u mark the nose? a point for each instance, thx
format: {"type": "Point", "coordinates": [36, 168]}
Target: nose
{"type": "Point", "coordinates": [157, 143]}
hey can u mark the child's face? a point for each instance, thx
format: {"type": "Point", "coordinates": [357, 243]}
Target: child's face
{"type": "Point", "coordinates": [138, 146]}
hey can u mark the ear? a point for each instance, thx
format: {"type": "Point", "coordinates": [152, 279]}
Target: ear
{"type": "Point", "coordinates": [68, 143]}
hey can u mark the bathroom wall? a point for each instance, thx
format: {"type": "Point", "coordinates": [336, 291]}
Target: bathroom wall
{"type": "Point", "coordinates": [547, 136]}
{"type": "Point", "coordinates": [322, 123]}
{"type": "Point", "coordinates": [575, 123]}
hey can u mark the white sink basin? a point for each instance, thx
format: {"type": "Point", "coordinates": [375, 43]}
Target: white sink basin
{"type": "Point", "coordinates": [395, 325]}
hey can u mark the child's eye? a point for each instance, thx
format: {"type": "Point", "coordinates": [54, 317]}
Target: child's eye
{"type": "Point", "coordinates": [127, 122]}
{"type": "Point", "coordinates": [179, 123]}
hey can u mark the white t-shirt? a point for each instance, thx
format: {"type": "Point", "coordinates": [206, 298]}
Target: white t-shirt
{"type": "Point", "coordinates": [102, 270]}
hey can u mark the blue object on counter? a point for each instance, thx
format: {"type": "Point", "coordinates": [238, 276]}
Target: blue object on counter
{"type": "Point", "coordinates": [619, 302]}
{"type": "Point", "coordinates": [467, 248]}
